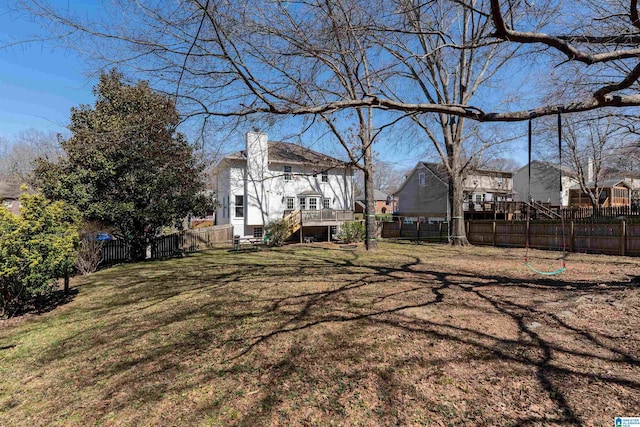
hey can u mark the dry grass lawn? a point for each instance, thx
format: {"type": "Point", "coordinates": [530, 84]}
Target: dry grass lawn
{"type": "Point", "coordinates": [328, 335]}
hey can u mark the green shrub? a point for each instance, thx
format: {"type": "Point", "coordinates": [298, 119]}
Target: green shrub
{"type": "Point", "coordinates": [351, 232]}
{"type": "Point", "coordinates": [277, 232]}
{"type": "Point", "coordinates": [36, 247]}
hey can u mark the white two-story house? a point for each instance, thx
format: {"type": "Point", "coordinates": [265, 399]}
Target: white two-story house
{"type": "Point", "coordinates": [273, 180]}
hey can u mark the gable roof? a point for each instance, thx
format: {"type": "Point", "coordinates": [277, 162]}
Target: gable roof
{"type": "Point", "coordinates": [437, 169]}
{"type": "Point", "coordinates": [542, 163]}
{"type": "Point", "coordinates": [377, 195]}
{"type": "Point", "coordinates": [286, 152]}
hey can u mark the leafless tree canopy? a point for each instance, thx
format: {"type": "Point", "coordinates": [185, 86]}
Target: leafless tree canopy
{"type": "Point", "coordinates": [233, 58]}
{"type": "Point", "coordinates": [358, 67]}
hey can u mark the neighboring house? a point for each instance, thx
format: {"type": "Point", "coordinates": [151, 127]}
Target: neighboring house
{"type": "Point", "coordinates": [10, 196]}
{"type": "Point", "coordinates": [384, 203]}
{"type": "Point", "coordinates": [425, 193]}
{"type": "Point", "coordinates": [614, 192]}
{"type": "Point", "coordinates": [544, 186]}
{"type": "Point", "coordinates": [273, 180]}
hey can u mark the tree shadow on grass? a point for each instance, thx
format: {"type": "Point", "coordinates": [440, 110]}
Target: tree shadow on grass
{"type": "Point", "coordinates": [45, 303]}
{"type": "Point", "coordinates": [264, 326]}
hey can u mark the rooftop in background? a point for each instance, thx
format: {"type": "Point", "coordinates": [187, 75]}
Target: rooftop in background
{"type": "Point", "coordinates": [286, 152]}
{"type": "Point", "coordinates": [377, 195]}
{"type": "Point", "coordinates": [10, 189]}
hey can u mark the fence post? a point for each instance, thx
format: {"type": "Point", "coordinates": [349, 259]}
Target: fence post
{"type": "Point", "coordinates": [623, 238]}
{"type": "Point", "coordinates": [494, 233]}
{"type": "Point", "coordinates": [571, 237]}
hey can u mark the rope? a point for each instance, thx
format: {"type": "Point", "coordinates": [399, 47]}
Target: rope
{"type": "Point", "coordinates": [564, 246]}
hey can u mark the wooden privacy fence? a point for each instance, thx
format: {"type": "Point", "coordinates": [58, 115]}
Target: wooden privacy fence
{"type": "Point", "coordinates": [414, 231]}
{"type": "Point", "coordinates": [172, 244]}
{"type": "Point", "coordinates": [617, 238]}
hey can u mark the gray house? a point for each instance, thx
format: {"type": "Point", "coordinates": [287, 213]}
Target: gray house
{"type": "Point", "coordinates": [425, 193]}
{"type": "Point", "coordinates": [545, 183]}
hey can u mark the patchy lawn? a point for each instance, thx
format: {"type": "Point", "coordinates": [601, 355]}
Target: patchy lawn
{"type": "Point", "coordinates": [327, 335]}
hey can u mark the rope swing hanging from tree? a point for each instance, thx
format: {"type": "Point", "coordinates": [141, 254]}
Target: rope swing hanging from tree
{"type": "Point", "coordinates": [564, 246]}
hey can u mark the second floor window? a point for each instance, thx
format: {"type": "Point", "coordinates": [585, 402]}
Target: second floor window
{"type": "Point", "coordinates": [290, 203]}
{"type": "Point", "coordinates": [313, 203]}
{"type": "Point", "coordinates": [325, 176]}
{"type": "Point", "coordinates": [303, 203]}
{"type": "Point", "coordinates": [239, 206]}
{"type": "Point", "coordinates": [287, 173]}
{"type": "Point", "coordinates": [326, 204]}
{"type": "Point", "coordinates": [422, 179]}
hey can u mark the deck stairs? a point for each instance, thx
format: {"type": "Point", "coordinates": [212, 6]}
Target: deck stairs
{"type": "Point", "coordinates": [293, 221]}
{"type": "Point", "coordinates": [543, 210]}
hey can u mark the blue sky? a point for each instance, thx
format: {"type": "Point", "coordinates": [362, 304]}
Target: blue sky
{"type": "Point", "coordinates": [38, 85]}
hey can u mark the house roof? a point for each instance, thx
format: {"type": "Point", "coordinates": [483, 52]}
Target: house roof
{"type": "Point", "coordinates": [556, 166]}
{"type": "Point", "coordinates": [9, 190]}
{"type": "Point", "coordinates": [377, 195]}
{"type": "Point", "coordinates": [605, 183]}
{"type": "Point", "coordinates": [437, 169]}
{"type": "Point", "coordinates": [286, 152]}
{"type": "Point", "coordinates": [310, 193]}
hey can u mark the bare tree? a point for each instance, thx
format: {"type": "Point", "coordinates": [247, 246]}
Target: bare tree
{"type": "Point", "coordinates": [19, 153]}
{"type": "Point", "coordinates": [591, 150]}
{"type": "Point", "coordinates": [387, 178]}
{"type": "Point", "coordinates": [227, 59]}
{"type": "Point", "coordinates": [444, 55]}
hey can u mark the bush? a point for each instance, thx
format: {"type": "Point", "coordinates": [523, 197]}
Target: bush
{"type": "Point", "coordinates": [351, 232]}
{"type": "Point", "coordinates": [277, 232]}
{"type": "Point", "coordinates": [90, 248]}
{"type": "Point", "coordinates": [36, 248]}
{"type": "Point", "coordinates": [89, 255]}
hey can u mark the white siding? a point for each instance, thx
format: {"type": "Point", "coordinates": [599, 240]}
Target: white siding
{"type": "Point", "coordinates": [274, 191]}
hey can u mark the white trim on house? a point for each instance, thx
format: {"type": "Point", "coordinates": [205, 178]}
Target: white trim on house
{"type": "Point", "coordinates": [267, 194]}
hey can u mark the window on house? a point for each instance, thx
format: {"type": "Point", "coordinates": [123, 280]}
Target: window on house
{"type": "Point", "coordinates": [303, 203]}
{"type": "Point", "coordinates": [224, 207]}
{"type": "Point", "coordinates": [239, 206]}
{"type": "Point", "coordinates": [287, 173]}
{"type": "Point", "coordinates": [325, 176]}
{"type": "Point", "coordinates": [422, 179]}
{"type": "Point", "coordinates": [384, 210]}
{"type": "Point", "coordinates": [478, 198]}
{"type": "Point", "coordinates": [8, 203]}
{"type": "Point", "coordinates": [326, 203]}
{"type": "Point", "coordinates": [258, 232]}
{"type": "Point", "coordinates": [290, 203]}
{"type": "Point", "coordinates": [313, 203]}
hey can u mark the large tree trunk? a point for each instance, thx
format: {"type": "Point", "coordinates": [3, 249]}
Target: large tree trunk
{"type": "Point", "coordinates": [458, 233]}
{"type": "Point", "coordinates": [456, 201]}
{"type": "Point", "coordinates": [371, 227]}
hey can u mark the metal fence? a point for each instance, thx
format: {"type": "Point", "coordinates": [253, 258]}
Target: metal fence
{"type": "Point", "coordinates": [171, 245]}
